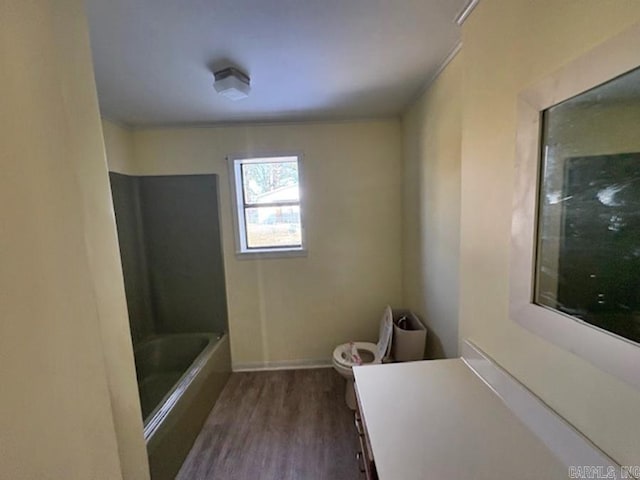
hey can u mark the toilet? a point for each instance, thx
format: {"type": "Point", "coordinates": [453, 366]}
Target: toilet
{"type": "Point", "coordinates": [370, 353]}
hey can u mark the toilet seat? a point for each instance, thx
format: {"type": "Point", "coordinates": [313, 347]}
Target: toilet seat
{"type": "Point", "coordinates": [342, 358]}
{"type": "Point", "coordinates": [341, 353]}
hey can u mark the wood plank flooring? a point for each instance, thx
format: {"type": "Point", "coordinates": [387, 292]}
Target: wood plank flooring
{"type": "Point", "coordinates": [283, 425]}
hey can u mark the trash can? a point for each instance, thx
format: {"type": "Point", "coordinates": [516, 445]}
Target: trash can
{"type": "Point", "coordinates": [409, 336]}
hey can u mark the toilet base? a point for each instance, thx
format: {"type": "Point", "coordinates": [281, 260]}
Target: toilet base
{"type": "Point", "coordinates": [350, 394]}
{"type": "Point", "coordinates": [349, 388]}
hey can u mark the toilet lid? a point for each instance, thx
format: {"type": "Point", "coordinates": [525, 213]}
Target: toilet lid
{"type": "Point", "coordinates": [379, 350]}
{"type": "Point", "coordinates": [386, 330]}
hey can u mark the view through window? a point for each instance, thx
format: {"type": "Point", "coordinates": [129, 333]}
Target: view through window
{"type": "Point", "coordinates": [268, 201]}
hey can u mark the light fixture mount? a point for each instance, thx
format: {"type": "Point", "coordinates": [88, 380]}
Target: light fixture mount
{"type": "Point", "coordinates": [232, 83]}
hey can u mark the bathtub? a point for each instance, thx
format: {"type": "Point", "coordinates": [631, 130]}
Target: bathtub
{"type": "Point", "coordinates": [180, 377]}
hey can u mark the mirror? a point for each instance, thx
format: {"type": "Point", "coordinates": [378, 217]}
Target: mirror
{"type": "Point", "coordinates": [588, 223]}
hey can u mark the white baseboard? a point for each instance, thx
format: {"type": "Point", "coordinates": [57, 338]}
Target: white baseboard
{"type": "Point", "coordinates": [568, 444]}
{"type": "Point", "coordinates": [281, 365]}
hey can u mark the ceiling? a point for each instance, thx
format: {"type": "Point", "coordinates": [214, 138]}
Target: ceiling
{"type": "Point", "coordinates": [307, 59]}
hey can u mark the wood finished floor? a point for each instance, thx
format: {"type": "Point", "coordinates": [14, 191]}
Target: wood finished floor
{"type": "Point", "coordinates": [283, 425]}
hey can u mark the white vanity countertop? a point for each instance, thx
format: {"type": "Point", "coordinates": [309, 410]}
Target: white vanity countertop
{"type": "Point", "coordinates": [438, 420]}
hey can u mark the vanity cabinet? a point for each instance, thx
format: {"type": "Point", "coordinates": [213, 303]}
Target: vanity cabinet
{"type": "Point", "coordinates": [365, 454]}
{"type": "Point", "coordinates": [438, 419]}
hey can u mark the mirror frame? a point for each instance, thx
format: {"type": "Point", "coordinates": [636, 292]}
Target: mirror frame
{"type": "Point", "coordinates": [606, 351]}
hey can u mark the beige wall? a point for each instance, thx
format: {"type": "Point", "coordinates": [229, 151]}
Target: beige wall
{"type": "Point", "coordinates": [102, 247]}
{"type": "Point", "coordinates": [119, 146]}
{"type": "Point", "coordinates": [509, 45]}
{"type": "Point", "coordinates": [69, 408]}
{"type": "Point", "coordinates": [432, 132]}
{"type": "Point", "coordinates": [299, 309]}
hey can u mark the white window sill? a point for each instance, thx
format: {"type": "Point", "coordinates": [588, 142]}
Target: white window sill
{"type": "Point", "coordinates": [270, 253]}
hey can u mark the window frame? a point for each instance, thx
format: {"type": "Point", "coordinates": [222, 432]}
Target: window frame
{"type": "Point", "coordinates": [609, 352]}
{"type": "Point", "coordinates": [240, 206]}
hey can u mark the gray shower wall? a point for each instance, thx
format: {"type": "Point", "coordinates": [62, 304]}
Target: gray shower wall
{"type": "Point", "coordinates": [125, 191]}
{"type": "Point", "coordinates": [170, 244]}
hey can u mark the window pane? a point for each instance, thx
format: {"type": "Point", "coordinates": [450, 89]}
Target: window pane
{"type": "Point", "coordinates": [270, 182]}
{"type": "Point", "coordinates": [273, 226]}
{"type": "Point", "coordinates": [588, 258]}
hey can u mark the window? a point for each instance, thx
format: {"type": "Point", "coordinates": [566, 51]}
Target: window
{"type": "Point", "coordinates": [574, 266]}
{"type": "Point", "coordinates": [268, 209]}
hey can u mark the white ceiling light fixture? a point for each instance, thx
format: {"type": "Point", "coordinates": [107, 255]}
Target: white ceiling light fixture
{"type": "Point", "coordinates": [232, 83]}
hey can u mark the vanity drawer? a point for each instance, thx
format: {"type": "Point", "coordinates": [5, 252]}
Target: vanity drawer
{"type": "Point", "coordinates": [364, 455]}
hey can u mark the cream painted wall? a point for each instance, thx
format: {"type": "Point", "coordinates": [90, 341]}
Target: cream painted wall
{"type": "Point", "coordinates": [432, 131]}
{"type": "Point", "coordinates": [509, 45]}
{"type": "Point", "coordinates": [101, 241]}
{"type": "Point", "coordinates": [299, 309]}
{"type": "Point", "coordinates": [69, 405]}
{"type": "Point", "coordinates": [119, 146]}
